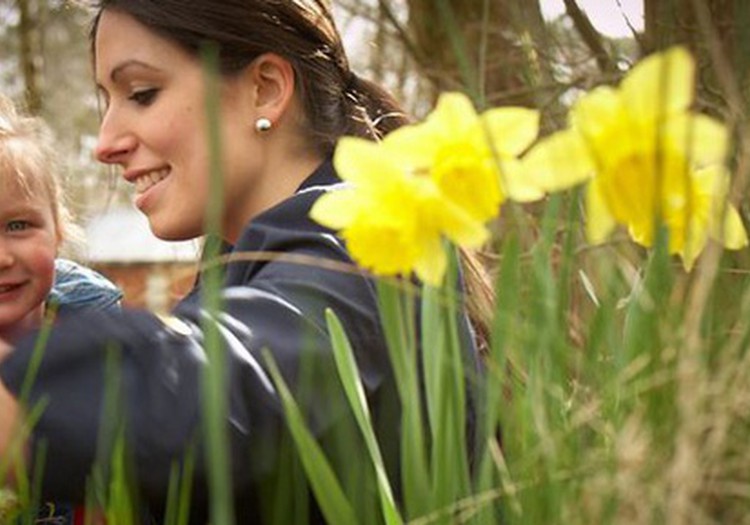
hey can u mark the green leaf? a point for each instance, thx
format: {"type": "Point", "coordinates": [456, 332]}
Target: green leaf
{"type": "Point", "coordinates": [450, 471]}
{"type": "Point", "coordinates": [333, 503]}
{"type": "Point", "coordinates": [350, 379]}
{"type": "Point", "coordinates": [397, 314]}
{"type": "Point", "coordinates": [498, 376]}
{"type": "Point", "coordinates": [214, 396]}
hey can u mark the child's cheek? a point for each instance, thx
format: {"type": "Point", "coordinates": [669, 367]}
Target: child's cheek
{"type": "Point", "coordinates": [44, 267]}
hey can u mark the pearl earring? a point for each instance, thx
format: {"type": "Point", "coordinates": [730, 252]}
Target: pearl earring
{"type": "Point", "coordinates": [263, 124]}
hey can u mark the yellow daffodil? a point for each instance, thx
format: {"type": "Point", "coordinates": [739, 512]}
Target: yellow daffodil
{"type": "Point", "coordinates": [648, 158]}
{"type": "Point", "coordinates": [440, 179]}
{"type": "Point", "coordinates": [471, 158]}
{"type": "Point", "coordinates": [392, 221]}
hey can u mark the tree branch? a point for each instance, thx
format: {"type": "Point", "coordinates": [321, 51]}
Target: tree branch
{"type": "Point", "coordinates": [409, 44]}
{"type": "Point", "coordinates": [591, 36]}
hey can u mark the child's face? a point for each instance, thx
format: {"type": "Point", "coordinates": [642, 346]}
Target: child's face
{"type": "Point", "coordinates": [28, 246]}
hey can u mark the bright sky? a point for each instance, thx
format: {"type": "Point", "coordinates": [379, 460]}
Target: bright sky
{"type": "Point", "coordinates": [606, 15]}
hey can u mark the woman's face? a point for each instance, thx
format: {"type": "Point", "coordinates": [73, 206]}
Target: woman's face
{"type": "Point", "coordinates": [154, 127]}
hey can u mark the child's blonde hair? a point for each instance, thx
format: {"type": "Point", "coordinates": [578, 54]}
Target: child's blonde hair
{"type": "Point", "coordinates": [28, 158]}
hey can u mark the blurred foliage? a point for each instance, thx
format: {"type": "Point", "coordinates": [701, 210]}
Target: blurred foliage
{"type": "Point", "coordinates": [45, 68]}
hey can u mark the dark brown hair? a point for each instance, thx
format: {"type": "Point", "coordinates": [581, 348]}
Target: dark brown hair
{"type": "Point", "coordinates": [336, 102]}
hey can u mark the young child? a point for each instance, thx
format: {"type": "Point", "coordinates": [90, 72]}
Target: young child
{"type": "Point", "coordinates": [34, 223]}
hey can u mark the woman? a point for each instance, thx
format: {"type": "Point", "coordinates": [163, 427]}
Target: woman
{"type": "Point", "coordinates": [286, 96]}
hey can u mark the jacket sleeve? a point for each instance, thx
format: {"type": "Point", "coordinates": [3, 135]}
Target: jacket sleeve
{"type": "Point", "coordinates": [77, 287]}
{"type": "Point", "coordinates": [102, 369]}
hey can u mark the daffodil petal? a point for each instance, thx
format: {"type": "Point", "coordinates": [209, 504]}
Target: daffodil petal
{"type": "Point", "coordinates": [704, 139]}
{"type": "Point", "coordinates": [416, 146]}
{"type": "Point", "coordinates": [430, 266]}
{"type": "Point", "coordinates": [596, 114]}
{"type": "Point", "coordinates": [690, 253]}
{"type": "Point", "coordinates": [733, 236]}
{"type": "Point", "coordinates": [461, 228]}
{"type": "Point", "coordinates": [519, 184]}
{"type": "Point", "coordinates": [366, 241]}
{"type": "Point", "coordinates": [362, 161]}
{"type": "Point", "coordinates": [454, 113]}
{"type": "Point", "coordinates": [559, 162]}
{"type": "Point", "coordinates": [724, 221]}
{"type": "Point", "coordinates": [599, 222]}
{"type": "Point", "coordinates": [336, 209]}
{"type": "Point", "coordinates": [510, 129]}
{"type": "Point", "coordinates": [712, 180]}
{"type": "Point", "coordinates": [660, 84]}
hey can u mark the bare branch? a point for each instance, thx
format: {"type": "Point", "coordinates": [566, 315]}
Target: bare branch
{"type": "Point", "coordinates": [403, 34]}
{"type": "Point", "coordinates": [590, 36]}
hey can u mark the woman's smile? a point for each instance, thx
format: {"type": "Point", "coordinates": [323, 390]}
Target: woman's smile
{"type": "Point", "coordinates": [149, 185]}
{"type": "Point", "coordinates": [149, 179]}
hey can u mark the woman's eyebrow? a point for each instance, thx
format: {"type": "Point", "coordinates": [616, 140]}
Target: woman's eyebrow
{"type": "Point", "coordinates": [118, 70]}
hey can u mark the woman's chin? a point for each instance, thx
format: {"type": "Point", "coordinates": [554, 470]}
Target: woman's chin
{"type": "Point", "coordinates": [167, 231]}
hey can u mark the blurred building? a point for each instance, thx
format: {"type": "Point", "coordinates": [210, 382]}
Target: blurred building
{"type": "Point", "coordinates": [152, 273]}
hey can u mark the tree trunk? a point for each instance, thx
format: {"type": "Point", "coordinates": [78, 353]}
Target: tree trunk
{"type": "Point", "coordinates": [590, 36]}
{"type": "Point", "coordinates": [29, 57]}
{"type": "Point", "coordinates": [487, 47]}
{"type": "Point", "coordinates": [716, 32]}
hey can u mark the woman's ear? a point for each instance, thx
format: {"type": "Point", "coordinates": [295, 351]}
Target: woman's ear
{"type": "Point", "coordinates": [272, 78]}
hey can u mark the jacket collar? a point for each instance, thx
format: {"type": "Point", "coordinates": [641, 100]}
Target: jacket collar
{"type": "Point", "coordinates": [324, 175]}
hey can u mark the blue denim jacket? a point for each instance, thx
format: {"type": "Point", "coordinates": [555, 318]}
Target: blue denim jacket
{"type": "Point", "coordinates": [77, 287]}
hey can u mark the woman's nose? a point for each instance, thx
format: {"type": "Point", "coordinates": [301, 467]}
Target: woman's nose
{"type": "Point", "coordinates": [114, 144]}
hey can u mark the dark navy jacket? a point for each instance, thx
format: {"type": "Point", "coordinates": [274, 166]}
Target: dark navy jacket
{"type": "Point", "coordinates": [274, 304]}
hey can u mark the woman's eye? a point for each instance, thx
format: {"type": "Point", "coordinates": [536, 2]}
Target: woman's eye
{"type": "Point", "coordinates": [17, 226]}
{"type": "Point", "coordinates": [144, 97]}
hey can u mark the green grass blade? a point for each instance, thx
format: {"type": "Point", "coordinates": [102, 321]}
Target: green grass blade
{"type": "Point", "coordinates": [333, 503]}
{"type": "Point", "coordinates": [350, 379]}
{"type": "Point", "coordinates": [450, 470]}
{"type": "Point", "coordinates": [180, 487]}
{"type": "Point", "coordinates": [415, 475]}
{"type": "Point", "coordinates": [433, 341]}
{"type": "Point", "coordinates": [212, 384]}
{"type": "Point", "coordinates": [498, 379]}
{"type": "Point", "coordinates": [400, 346]}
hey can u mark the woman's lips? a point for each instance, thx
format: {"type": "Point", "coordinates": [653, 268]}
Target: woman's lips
{"type": "Point", "coordinates": [146, 187]}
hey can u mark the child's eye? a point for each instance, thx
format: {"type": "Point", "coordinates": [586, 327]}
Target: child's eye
{"type": "Point", "coordinates": [144, 97]}
{"type": "Point", "coordinates": [17, 226]}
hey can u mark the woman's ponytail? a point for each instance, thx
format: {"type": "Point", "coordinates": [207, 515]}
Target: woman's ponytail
{"type": "Point", "coordinates": [373, 111]}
